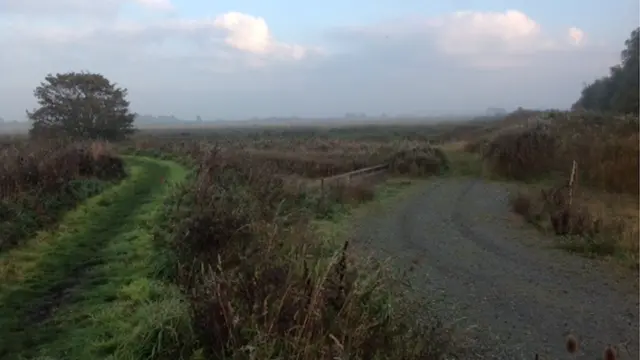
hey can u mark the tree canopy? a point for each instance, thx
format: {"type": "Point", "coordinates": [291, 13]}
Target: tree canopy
{"type": "Point", "coordinates": [81, 105]}
{"type": "Point", "coordinates": [618, 92]}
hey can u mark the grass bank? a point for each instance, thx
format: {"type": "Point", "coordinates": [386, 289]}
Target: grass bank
{"type": "Point", "coordinates": [40, 181]}
{"type": "Point", "coordinates": [89, 288]}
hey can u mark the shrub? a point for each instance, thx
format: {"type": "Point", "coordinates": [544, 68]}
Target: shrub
{"type": "Point", "coordinates": [261, 285]}
{"type": "Point", "coordinates": [39, 181]}
{"type": "Point", "coordinates": [581, 228]}
{"type": "Point", "coordinates": [419, 161]}
{"type": "Point", "coordinates": [522, 155]}
{"type": "Point", "coordinates": [605, 147]}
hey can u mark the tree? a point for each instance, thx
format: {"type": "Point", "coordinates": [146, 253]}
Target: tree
{"type": "Point", "coordinates": [619, 91]}
{"type": "Point", "coordinates": [81, 105]}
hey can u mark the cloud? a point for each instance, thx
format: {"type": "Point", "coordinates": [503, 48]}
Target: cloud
{"type": "Point", "coordinates": [232, 65]}
{"type": "Point", "coordinates": [470, 33]}
{"type": "Point", "coordinates": [461, 61]}
{"type": "Point", "coordinates": [103, 10]}
{"type": "Point", "coordinates": [576, 35]}
{"type": "Point", "coordinates": [161, 5]}
{"type": "Point", "coordinates": [60, 8]}
{"type": "Point", "coordinates": [226, 40]}
{"type": "Point", "coordinates": [250, 33]}
{"type": "Point", "coordinates": [478, 39]}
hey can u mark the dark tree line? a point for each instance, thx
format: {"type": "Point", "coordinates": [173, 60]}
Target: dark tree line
{"type": "Point", "coordinates": [617, 92]}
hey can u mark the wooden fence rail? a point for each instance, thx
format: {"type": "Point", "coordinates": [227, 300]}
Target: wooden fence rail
{"type": "Point", "coordinates": [343, 178]}
{"type": "Point", "coordinates": [360, 173]}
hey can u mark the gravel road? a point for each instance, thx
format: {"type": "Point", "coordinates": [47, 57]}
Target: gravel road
{"type": "Point", "coordinates": [501, 276]}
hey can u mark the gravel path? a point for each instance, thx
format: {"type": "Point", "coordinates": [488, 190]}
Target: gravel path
{"type": "Point", "coordinates": [499, 275]}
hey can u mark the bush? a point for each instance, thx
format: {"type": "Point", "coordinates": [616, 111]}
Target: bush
{"type": "Point", "coordinates": [522, 155]}
{"type": "Point", "coordinates": [581, 228]}
{"type": "Point", "coordinates": [262, 286]}
{"type": "Point", "coordinates": [38, 182]}
{"type": "Point", "coordinates": [419, 161]}
{"type": "Point", "coordinates": [605, 147]}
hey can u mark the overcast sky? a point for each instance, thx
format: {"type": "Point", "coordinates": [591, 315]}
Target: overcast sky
{"type": "Point", "coordinates": [245, 58]}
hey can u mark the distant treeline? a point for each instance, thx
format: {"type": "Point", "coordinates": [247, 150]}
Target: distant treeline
{"type": "Point", "coordinates": [617, 92]}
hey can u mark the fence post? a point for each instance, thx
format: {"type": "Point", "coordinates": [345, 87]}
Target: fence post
{"type": "Point", "coordinates": [572, 178]}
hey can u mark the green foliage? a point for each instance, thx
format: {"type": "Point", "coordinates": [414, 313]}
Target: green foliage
{"type": "Point", "coordinates": [40, 180]}
{"type": "Point", "coordinates": [21, 219]}
{"type": "Point", "coordinates": [81, 105]}
{"type": "Point", "coordinates": [89, 289]}
{"type": "Point", "coordinates": [618, 92]}
{"type": "Point", "coordinates": [422, 161]}
{"type": "Point", "coordinates": [261, 285]}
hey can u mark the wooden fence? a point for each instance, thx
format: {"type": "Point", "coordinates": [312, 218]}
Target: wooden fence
{"type": "Point", "coordinates": [340, 179]}
{"type": "Point", "coordinates": [359, 174]}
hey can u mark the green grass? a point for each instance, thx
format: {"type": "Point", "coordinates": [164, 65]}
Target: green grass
{"type": "Point", "coordinates": [89, 288]}
{"type": "Point", "coordinates": [21, 220]}
{"type": "Point", "coordinates": [464, 164]}
{"type": "Point", "coordinates": [338, 228]}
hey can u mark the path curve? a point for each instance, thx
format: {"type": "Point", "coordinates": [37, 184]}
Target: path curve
{"type": "Point", "coordinates": [500, 275]}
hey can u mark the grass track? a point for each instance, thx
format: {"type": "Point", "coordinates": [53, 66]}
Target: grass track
{"type": "Point", "coordinates": [88, 289]}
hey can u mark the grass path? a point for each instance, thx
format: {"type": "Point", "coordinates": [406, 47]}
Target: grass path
{"type": "Point", "coordinates": [88, 289]}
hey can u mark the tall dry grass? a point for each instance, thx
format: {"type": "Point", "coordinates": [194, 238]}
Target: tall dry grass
{"type": "Point", "coordinates": [39, 180]}
{"type": "Point", "coordinates": [311, 158]}
{"type": "Point", "coordinates": [261, 285]}
{"type": "Point", "coordinates": [47, 166]}
{"type": "Point", "coordinates": [606, 151]}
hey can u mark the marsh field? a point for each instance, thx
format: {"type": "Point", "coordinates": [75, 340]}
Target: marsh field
{"type": "Point", "coordinates": [228, 244]}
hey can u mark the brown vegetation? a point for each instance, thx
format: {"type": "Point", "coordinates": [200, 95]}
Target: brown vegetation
{"type": "Point", "coordinates": [261, 285]}
{"type": "Point", "coordinates": [40, 180]}
{"type": "Point", "coordinates": [606, 151]}
{"type": "Point", "coordinates": [313, 158]}
{"type": "Point", "coordinates": [605, 148]}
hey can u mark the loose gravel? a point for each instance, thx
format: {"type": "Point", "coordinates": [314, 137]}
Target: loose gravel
{"type": "Point", "coordinates": [494, 274]}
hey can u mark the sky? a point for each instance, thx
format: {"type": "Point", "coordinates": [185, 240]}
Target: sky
{"type": "Point", "coordinates": [239, 59]}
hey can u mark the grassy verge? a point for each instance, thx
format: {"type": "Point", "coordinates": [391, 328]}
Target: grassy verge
{"type": "Point", "coordinates": [23, 217]}
{"type": "Point", "coordinates": [337, 229]}
{"type": "Point", "coordinates": [40, 181]}
{"type": "Point", "coordinates": [88, 289]}
{"type": "Point", "coordinates": [462, 162]}
{"type": "Point", "coordinates": [596, 224]}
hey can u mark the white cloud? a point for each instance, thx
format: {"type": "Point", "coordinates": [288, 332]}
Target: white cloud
{"type": "Point", "coordinates": [489, 40]}
{"type": "Point", "coordinates": [60, 8]}
{"type": "Point", "coordinates": [75, 7]}
{"type": "Point", "coordinates": [161, 5]}
{"type": "Point", "coordinates": [472, 33]}
{"type": "Point", "coordinates": [245, 32]}
{"type": "Point", "coordinates": [576, 36]}
{"type": "Point", "coordinates": [250, 33]}
{"type": "Point", "coordinates": [494, 39]}
{"type": "Point", "coordinates": [245, 36]}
